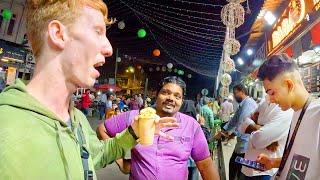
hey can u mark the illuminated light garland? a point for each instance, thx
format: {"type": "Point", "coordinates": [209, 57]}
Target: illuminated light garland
{"type": "Point", "coordinates": [231, 46]}
{"type": "Point", "coordinates": [236, 1]}
{"type": "Point", "coordinates": [184, 23]}
{"type": "Point", "coordinates": [190, 32]}
{"type": "Point", "coordinates": [232, 15]}
{"type": "Point", "coordinates": [226, 79]}
{"type": "Point", "coordinates": [193, 47]}
{"type": "Point", "coordinates": [199, 55]}
{"type": "Point", "coordinates": [228, 65]}
{"type": "Point", "coordinates": [197, 3]}
{"type": "Point", "coordinates": [207, 71]}
{"type": "Point", "coordinates": [185, 38]}
{"type": "Point", "coordinates": [177, 19]}
{"type": "Point", "coordinates": [152, 5]}
{"type": "Point", "coordinates": [224, 91]}
{"type": "Point", "coordinates": [177, 14]}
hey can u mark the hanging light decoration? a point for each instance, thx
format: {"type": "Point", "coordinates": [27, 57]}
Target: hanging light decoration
{"type": "Point", "coordinates": [224, 91]}
{"type": "Point", "coordinates": [156, 52]}
{"type": "Point", "coordinates": [226, 79]}
{"type": "Point", "coordinates": [150, 69]}
{"type": "Point", "coordinates": [180, 72]}
{"type": "Point", "coordinates": [204, 92]}
{"type": "Point", "coordinates": [121, 25]}
{"type": "Point", "coordinates": [232, 15]}
{"type": "Point", "coordinates": [163, 68]}
{"type": "Point", "coordinates": [170, 65]}
{"type": "Point", "coordinates": [157, 68]}
{"type": "Point", "coordinates": [189, 76]}
{"type": "Point", "coordinates": [228, 65]}
{"type": "Point", "coordinates": [118, 59]}
{"type": "Point", "coordinates": [169, 70]}
{"type": "Point", "coordinates": [141, 33]}
{"type": "Point", "coordinates": [7, 14]}
{"type": "Point", "coordinates": [231, 46]}
{"type": "Point", "coordinates": [236, 1]}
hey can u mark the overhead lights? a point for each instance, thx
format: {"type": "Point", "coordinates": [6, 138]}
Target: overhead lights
{"type": "Point", "coordinates": [317, 49]}
{"type": "Point", "coordinates": [240, 61]}
{"type": "Point", "coordinates": [270, 18]}
{"type": "Point", "coordinates": [249, 52]}
{"type": "Point", "coordinates": [111, 90]}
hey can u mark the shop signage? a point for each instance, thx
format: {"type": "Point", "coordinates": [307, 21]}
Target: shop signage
{"type": "Point", "coordinates": [11, 76]}
{"type": "Point", "coordinates": [316, 4]}
{"type": "Point", "coordinates": [288, 22]}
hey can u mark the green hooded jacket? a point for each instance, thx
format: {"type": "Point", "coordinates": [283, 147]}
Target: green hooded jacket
{"type": "Point", "coordinates": [35, 144]}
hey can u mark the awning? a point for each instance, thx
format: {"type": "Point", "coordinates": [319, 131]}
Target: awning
{"type": "Point", "coordinates": [105, 87]}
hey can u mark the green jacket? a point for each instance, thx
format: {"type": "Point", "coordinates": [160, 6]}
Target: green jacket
{"type": "Point", "coordinates": [35, 144]}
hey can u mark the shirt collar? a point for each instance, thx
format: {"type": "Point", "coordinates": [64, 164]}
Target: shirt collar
{"type": "Point", "coordinates": [243, 101]}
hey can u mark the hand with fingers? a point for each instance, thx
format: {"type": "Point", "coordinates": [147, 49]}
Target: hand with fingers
{"type": "Point", "coordinates": [165, 122]}
{"type": "Point", "coordinates": [268, 162]}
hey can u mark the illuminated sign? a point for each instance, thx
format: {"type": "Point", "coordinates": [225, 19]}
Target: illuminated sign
{"type": "Point", "coordinates": [11, 75]}
{"type": "Point", "coordinates": [288, 22]}
{"type": "Point", "coordinates": [316, 4]}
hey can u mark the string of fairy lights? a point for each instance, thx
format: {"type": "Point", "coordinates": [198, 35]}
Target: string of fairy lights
{"type": "Point", "coordinates": [152, 5]}
{"type": "Point", "coordinates": [188, 37]}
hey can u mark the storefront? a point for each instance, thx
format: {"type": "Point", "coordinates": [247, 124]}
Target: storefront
{"type": "Point", "coordinates": [13, 62]}
{"type": "Point", "coordinates": [296, 33]}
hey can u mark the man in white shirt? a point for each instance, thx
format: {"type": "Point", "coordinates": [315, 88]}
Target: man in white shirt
{"type": "Point", "coordinates": [140, 100]}
{"type": "Point", "coordinates": [283, 84]}
{"type": "Point", "coordinates": [268, 135]}
{"type": "Point", "coordinates": [102, 105]}
{"type": "Point", "coordinates": [110, 98]}
{"type": "Point", "coordinates": [226, 109]}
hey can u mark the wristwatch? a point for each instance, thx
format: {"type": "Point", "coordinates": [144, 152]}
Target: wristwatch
{"type": "Point", "coordinates": [131, 131]}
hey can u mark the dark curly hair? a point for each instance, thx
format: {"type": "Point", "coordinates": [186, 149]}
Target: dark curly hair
{"type": "Point", "coordinates": [175, 80]}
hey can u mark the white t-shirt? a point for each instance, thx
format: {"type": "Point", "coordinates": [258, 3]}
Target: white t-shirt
{"type": "Point", "coordinates": [304, 159]}
{"type": "Point", "coordinates": [226, 110]}
{"type": "Point", "coordinates": [275, 128]}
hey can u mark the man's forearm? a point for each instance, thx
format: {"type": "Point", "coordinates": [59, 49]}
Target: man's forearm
{"type": "Point", "coordinates": [276, 162]}
{"type": "Point", "coordinates": [252, 128]}
{"type": "Point", "coordinates": [207, 169]}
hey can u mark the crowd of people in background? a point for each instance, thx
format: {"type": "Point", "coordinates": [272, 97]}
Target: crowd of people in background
{"type": "Point", "coordinates": [43, 136]}
{"type": "Point", "coordinates": [108, 104]}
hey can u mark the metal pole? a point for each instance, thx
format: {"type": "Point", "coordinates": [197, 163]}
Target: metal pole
{"type": "Point", "coordinates": [116, 68]}
{"type": "Point", "coordinates": [145, 89]}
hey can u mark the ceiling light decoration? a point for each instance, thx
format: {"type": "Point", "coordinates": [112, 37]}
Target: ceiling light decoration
{"type": "Point", "coordinates": [231, 46]}
{"type": "Point", "coordinates": [240, 61]}
{"type": "Point", "coordinates": [228, 65]}
{"type": "Point", "coordinates": [270, 18]}
{"type": "Point", "coordinates": [226, 79]}
{"type": "Point", "coordinates": [232, 15]}
{"type": "Point", "coordinates": [224, 91]}
{"type": "Point", "coordinates": [121, 25]}
{"type": "Point", "coordinates": [249, 52]}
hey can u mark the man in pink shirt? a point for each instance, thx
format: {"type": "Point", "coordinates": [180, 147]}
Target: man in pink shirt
{"type": "Point", "coordinates": [167, 159]}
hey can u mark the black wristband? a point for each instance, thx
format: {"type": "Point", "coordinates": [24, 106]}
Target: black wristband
{"type": "Point", "coordinates": [131, 131]}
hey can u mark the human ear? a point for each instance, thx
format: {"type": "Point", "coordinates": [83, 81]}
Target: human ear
{"type": "Point", "coordinates": [56, 35]}
{"type": "Point", "coordinates": [289, 84]}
